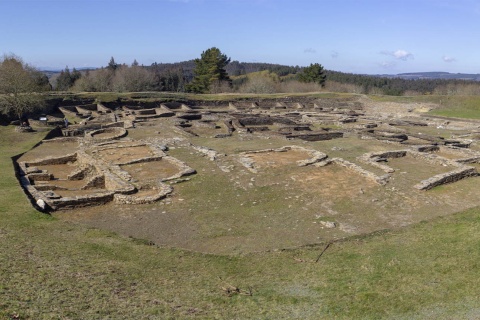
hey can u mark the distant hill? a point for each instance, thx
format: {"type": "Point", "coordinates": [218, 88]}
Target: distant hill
{"type": "Point", "coordinates": [51, 72]}
{"type": "Point", "coordinates": [438, 75]}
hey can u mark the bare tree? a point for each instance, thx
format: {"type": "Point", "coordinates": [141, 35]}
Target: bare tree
{"type": "Point", "coordinates": [20, 87]}
{"type": "Point", "coordinates": [132, 79]}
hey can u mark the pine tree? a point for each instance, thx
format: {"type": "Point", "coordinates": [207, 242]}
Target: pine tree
{"type": "Point", "coordinates": [313, 73]}
{"type": "Point", "coordinates": [209, 68]}
{"type": "Point", "coordinates": [112, 65]}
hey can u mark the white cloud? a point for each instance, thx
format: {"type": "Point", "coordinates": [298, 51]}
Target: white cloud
{"type": "Point", "coordinates": [448, 59]}
{"type": "Point", "coordinates": [309, 50]}
{"type": "Point", "coordinates": [399, 54]}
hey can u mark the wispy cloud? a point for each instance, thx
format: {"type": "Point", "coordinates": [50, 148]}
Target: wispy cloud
{"type": "Point", "coordinates": [388, 64]}
{"type": "Point", "coordinates": [399, 54]}
{"type": "Point", "coordinates": [309, 50]}
{"type": "Point", "coordinates": [448, 59]}
{"type": "Point", "coordinates": [334, 54]}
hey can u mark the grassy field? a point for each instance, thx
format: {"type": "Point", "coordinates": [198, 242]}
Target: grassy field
{"type": "Point", "coordinates": [467, 107]}
{"type": "Point", "coordinates": [52, 269]}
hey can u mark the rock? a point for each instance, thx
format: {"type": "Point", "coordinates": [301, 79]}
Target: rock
{"type": "Point", "coordinates": [41, 204]}
{"type": "Point", "coordinates": [328, 224]}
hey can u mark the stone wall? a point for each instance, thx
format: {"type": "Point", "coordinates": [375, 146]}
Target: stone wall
{"type": "Point", "coordinates": [163, 191]}
{"type": "Point", "coordinates": [72, 157]}
{"type": "Point", "coordinates": [265, 121]}
{"type": "Point", "coordinates": [381, 180]}
{"type": "Point", "coordinates": [315, 156]}
{"type": "Point", "coordinates": [444, 178]}
{"type": "Point", "coordinates": [316, 136]}
{"type": "Point", "coordinates": [116, 133]}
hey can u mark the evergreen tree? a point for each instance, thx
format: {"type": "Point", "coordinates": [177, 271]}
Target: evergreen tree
{"type": "Point", "coordinates": [313, 73]}
{"type": "Point", "coordinates": [67, 79]}
{"type": "Point", "coordinates": [112, 65]}
{"type": "Point", "coordinates": [209, 68]}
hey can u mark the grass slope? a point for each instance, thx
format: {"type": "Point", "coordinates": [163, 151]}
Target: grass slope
{"type": "Point", "coordinates": [467, 107]}
{"type": "Point", "coordinates": [50, 269]}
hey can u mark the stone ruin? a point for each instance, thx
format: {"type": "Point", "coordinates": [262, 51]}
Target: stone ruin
{"type": "Point", "coordinates": [426, 153]}
{"type": "Point", "coordinates": [98, 172]}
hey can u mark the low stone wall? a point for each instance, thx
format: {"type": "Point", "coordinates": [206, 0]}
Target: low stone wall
{"type": "Point", "coordinates": [114, 181]}
{"type": "Point", "coordinates": [189, 116]}
{"type": "Point", "coordinates": [265, 121]}
{"type": "Point", "coordinates": [145, 112]}
{"type": "Point", "coordinates": [385, 135]}
{"type": "Point", "coordinates": [95, 182]}
{"type": "Point", "coordinates": [119, 124]}
{"type": "Point", "coordinates": [381, 180]}
{"type": "Point", "coordinates": [434, 159]}
{"type": "Point", "coordinates": [80, 173]}
{"type": "Point", "coordinates": [444, 178]}
{"type": "Point", "coordinates": [102, 108]}
{"type": "Point", "coordinates": [209, 153]}
{"type": "Point", "coordinates": [315, 136]}
{"type": "Point", "coordinates": [426, 148]}
{"type": "Point", "coordinates": [62, 139]}
{"type": "Point", "coordinates": [469, 160]}
{"type": "Point", "coordinates": [43, 176]}
{"type": "Point", "coordinates": [81, 201]}
{"type": "Point", "coordinates": [175, 106]}
{"type": "Point", "coordinates": [315, 156]}
{"type": "Point", "coordinates": [141, 160]}
{"type": "Point", "coordinates": [461, 172]}
{"type": "Point", "coordinates": [72, 157]}
{"type": "Point", "coordinates": [238, 126]}
{"type": "Point", "coordinates": [88, 107]}
{"type": "Point", "coordinates": [69, 111]}
{"type": "Point", "coordinates": [116, 133]}
{"type": "Point", "coordinates": [373, 159]}
{"type": "Point", "coordinates": [184, 169]}
{"type": "Point", "coordinates": [163, 191]}
{"type": "Point", "coordinates": [111, 174]}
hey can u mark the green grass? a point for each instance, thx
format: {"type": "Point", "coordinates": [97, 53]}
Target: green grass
{"type": "Point", "coordinates": [51, 269]}
{"type": "Point", "coordinates": [450, 106]}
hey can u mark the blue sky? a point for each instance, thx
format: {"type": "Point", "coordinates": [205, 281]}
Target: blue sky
{"type": "Point", "coordinates": [362, 36]}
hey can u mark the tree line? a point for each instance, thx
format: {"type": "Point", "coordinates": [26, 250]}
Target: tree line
{"type": "Point", "coordinates": [21, 84]}
{"type": "Point", "coordinates": [253, 77]}
{"type": "Point", "coordinates": [212, 72]}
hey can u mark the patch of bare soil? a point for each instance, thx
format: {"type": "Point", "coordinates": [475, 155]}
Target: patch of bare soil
{"type": "Point", "coordinates": [414, 170]}
{"type": "Point", "coordinates": [148, 172]}
{"type": "Point", "coordinates": [50, 149]}
{"type": "Point", "coordinates": [59, 171]}
{"type": "Point", "coordinates": [331, 182]}
{"type": "Point", "coordinates": [123, 155]}
{"type": "Point", "coordinates": [277, 159]}
{"type": "Point", "coordinates": [77, 193]}
{"type": "Point", "coordinates": [104, 135]}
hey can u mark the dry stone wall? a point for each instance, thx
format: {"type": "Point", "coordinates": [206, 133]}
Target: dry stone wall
{"type": "Point", "coordinates": [461, 171]}
{"type": "Point", "coordinates": [106, 182]}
